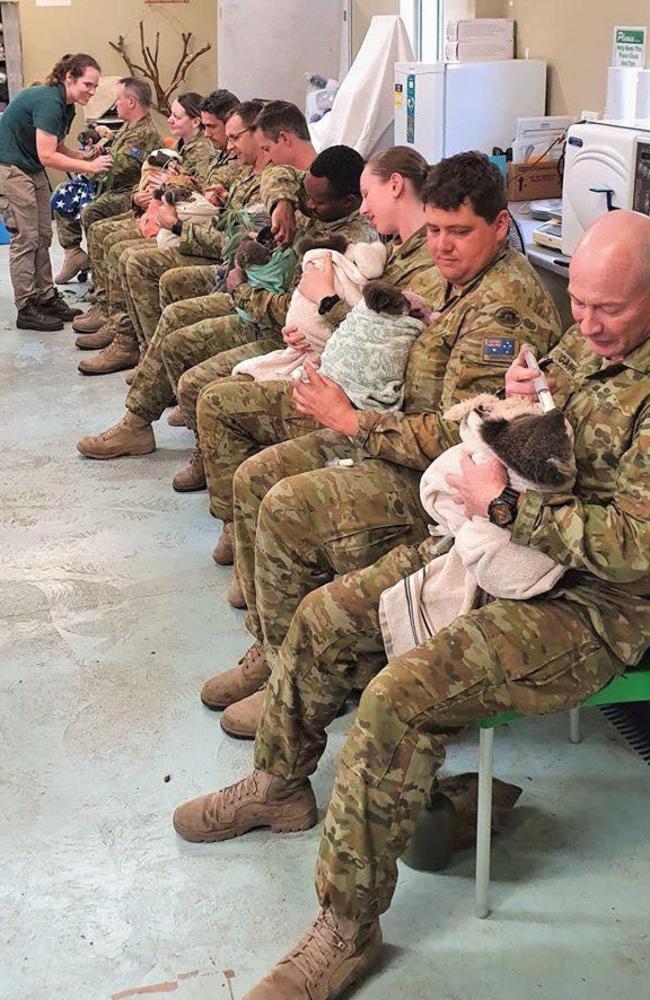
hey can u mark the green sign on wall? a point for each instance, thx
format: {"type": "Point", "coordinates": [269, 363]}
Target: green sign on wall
{"type": "Point", "coordinates": [629, 47]}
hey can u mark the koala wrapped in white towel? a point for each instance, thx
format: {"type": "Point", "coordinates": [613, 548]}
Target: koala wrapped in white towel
{"type": "Point", "coordinates": [354, 265]}
{"type": "Point", "coordinates": [537, 451]}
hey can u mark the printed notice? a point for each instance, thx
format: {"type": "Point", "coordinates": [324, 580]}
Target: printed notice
{"type": "Point", "coordinates": [629, 47]}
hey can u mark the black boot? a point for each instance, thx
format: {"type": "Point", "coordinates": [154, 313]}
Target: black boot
{"type": "Point", "coordinates": [32, 317]}
{"type": "Point", "coordinates": [57, 306]}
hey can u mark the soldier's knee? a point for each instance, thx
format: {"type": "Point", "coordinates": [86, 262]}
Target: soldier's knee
{"type": "Point", "coordinates": [207, 401]}
{"type": "Point", "coordinates": [250, 472]}
{"type": "Point", "coordinates": [172, 343]}
{"type": "Point", "coordinates": [167, 317]}
{"type": "Point", "coordinates": [380, 697]}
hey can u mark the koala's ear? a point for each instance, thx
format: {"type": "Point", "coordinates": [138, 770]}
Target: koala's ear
{"type": "Point", "coordinates": [491, 430]}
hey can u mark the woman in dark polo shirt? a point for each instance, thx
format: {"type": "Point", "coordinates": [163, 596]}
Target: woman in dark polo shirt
{"type": "Point", "coordinates": [32, 134]}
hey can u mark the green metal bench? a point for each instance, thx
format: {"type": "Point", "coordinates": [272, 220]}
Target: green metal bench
{"type": "Point", "coordinates": [634, 685]}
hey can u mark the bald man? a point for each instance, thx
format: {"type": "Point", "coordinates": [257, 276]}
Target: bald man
{"type": "Point", "coordinates": [537, 656]}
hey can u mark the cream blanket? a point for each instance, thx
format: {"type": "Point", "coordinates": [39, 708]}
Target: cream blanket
{"type": "Point", "coordinates": [482, 558]}
{"type": "Point", "coordinates": [196, 209]}
{"type": "Point", "coordinates": [360, 263]}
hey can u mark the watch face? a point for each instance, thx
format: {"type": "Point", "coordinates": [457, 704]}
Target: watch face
{"type": "Point", "coordinates": [500, 513]}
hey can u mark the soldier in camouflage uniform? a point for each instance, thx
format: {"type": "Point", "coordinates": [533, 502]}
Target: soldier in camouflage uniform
{"type": "Point", "coordinates": [122, 347]}
{"type": "Point", "coordinates": [219, 172]}
{"type": "Point", "coordinates": [487, 300]}
{"type": "Point", "coordinates": [197, 154]}
{"type": "Point", "coordinates": [130, 148]}
{"type": "Point", "coordinates": [237, 418]}
{"type": "Point", "coordinates": [542, 655]}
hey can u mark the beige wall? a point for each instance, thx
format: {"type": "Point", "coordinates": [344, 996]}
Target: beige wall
{"type": "Point", "coordinates": [363, 11]}
{"type": "Point", "coordinates": [575, 37]}
{"type": "Point", "coordinates": [88, 25]}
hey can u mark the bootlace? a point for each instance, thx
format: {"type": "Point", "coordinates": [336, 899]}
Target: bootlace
{"type": "Point", "coordinates": [253, 658]}
{"type": "Point", "coordinates": [244, 789]}
{"type": "Point", "coordinates": [110, 430]}
{"type": "Point", "coordinates": [196, 460]}
{"type": "Point", "coordinates": [317, 950]}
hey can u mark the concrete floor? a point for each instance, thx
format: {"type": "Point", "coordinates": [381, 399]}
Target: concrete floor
{"type": "Point", "coordinates": [112, 615]}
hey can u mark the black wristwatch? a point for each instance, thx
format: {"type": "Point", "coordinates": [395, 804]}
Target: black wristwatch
{"type": "Point", "coordinates": [177, 228]}
{"type": "Point", "coordinates": [502, 511]}
{"type": "Point", "coordinates": [327, 304]}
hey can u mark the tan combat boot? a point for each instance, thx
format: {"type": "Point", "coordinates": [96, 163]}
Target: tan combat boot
{"type": "Point", "coordinates": [261, 799]}
{"type": "Point", "coordinates": [242, 718]}
{"type": "Point", "coordinates": [192, 478]}
{"type": "Point", "coordinates": [132, 436]}
{"type": "Point", "coordinates": [90, 321]}
{"type": "Point", "coordinates": [175, 417]}
{"type": "Point", "coordinates": [235, 594]}
{"type": "Point", "coordinates": [334, 953]}
{"type": "Point", "coordinates": [250, 675]}
{"type": "Point", "coordinates": [224, 551]}
{"type": "Point", "coordinates": [117, 357]}
{"type": "Point", "coordinates": [74, 261]}
{"type": "Point", "coordinates": [96, 341]}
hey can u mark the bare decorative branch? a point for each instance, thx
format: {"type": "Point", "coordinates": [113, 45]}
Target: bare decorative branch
{"type": "Point", "coordinates": [151, 70]}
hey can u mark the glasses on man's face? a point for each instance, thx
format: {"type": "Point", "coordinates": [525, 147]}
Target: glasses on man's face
{"type": "Point", "coordinates": [235, 136]}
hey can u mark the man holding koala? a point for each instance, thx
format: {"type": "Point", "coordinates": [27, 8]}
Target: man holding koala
{"type": "Point", "coordinates": [533, 656]}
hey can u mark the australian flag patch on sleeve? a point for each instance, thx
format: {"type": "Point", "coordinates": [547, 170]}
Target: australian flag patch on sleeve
{"type": "Point", "coordinates": [135, 154]}
{"type": "Point", "coordinates": [498, 347]}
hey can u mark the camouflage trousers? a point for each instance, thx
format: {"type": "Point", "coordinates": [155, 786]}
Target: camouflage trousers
{"type": "Point", "coordinates": [237, 419]}
{"type": "Point", "coordinates": [116, 246]}
{"type": "Point", "coordinates": [486, 662]}
{"type": "Point", "coordinates": [70, 231]}
{"type": "Point", "coordinates": [153, 390]}
{"type": "Point", "coordinates": [299, 523]}
{"type": "Point", "coordinates": [142, 269]}
{"type": "Point", "coordinates": [213, 372]}
{"type": "Point", "coordinates": [97, 238]}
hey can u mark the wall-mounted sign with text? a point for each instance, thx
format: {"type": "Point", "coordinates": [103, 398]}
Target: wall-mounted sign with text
{"type": "Point", "coordinates": [629, 47]}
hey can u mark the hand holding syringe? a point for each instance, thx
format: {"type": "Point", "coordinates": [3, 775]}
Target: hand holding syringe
{"type": "Point", "coordinates": [524, 378]}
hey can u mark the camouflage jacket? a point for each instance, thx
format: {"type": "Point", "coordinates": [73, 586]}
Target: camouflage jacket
{"type": "Point", "coordinates": [196, 156]}
{"type": "Point", "coordinates": [284, 184]}
{"type": "Point", "coordinates": [265, 306]}
{"type": "Point", "coordinates": [221, 169]}
{"type": "Point", "coordinates": [601, 533]}
{"type": "Point", "coordinates": [466, 350]}
{"type": "Point", "coordinates": [206, 239]}
{"type": "Point", "coordinates": [130, 148]}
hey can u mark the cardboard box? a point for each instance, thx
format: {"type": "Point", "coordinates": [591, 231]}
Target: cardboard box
{"type": "Point", "coordinates": [528, 182]}
{"type": "Point", "coordinates": [481, 29]}
{"type": "Point", "coordinates": [466, 52]}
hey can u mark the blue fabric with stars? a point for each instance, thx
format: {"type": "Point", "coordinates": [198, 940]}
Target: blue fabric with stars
{"type": "Point", "coordinates": [73, 195]}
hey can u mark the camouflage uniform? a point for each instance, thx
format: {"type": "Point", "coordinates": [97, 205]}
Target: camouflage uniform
{"type": "Point", "coordinates": [130, 148]}
{"type": "Point", "coordinates": [200, 244]}
{"type": "Point", "coordinates": [177, 348]}
{"type": "Point", "coordinates": [543, 655]}
{"type": "Point", "coordinates": [104, 234]}
{"type": "Point", "coordinates": [126, 235]}
{"type": "Point", "coordinates": [357, 514]}
{"type": "Point", "coordinates": [221, 169]}
{"type": "Point", "coordinates": [236, 421]}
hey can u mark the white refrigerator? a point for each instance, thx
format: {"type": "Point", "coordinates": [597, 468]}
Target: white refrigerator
{"type": "Point", "coordinates": [442, 109]}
